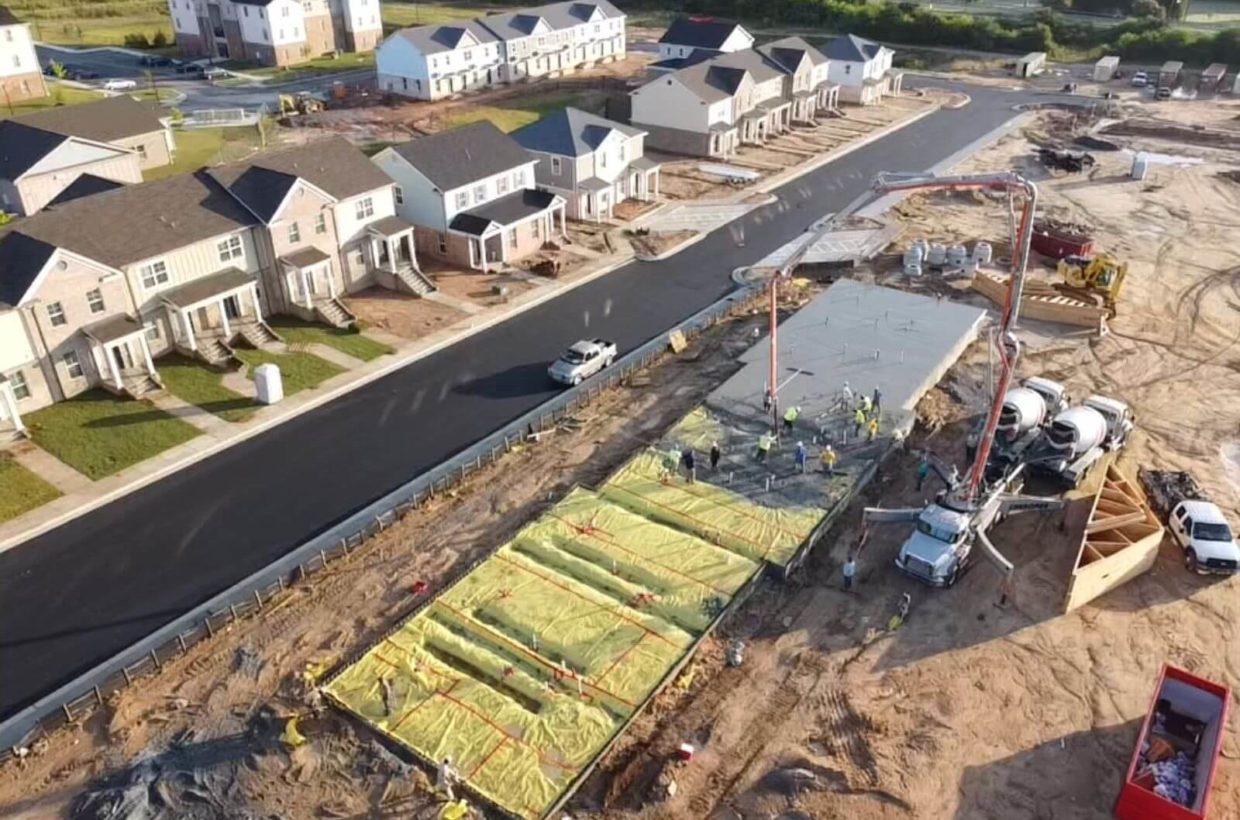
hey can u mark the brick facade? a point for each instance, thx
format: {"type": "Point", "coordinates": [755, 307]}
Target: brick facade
{"type": "Point", "coordinates": [20, 87]}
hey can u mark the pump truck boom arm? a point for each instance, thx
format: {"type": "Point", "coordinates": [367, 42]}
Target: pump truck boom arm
{"type": "Point", "coordinates": [1009, 182]}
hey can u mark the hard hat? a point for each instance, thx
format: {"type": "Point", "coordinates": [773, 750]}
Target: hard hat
{"type": "Point", "coordinates": [800, 444]}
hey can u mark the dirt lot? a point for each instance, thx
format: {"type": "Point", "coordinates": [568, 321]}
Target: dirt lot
{"type": "Point", "coordinates": [479, 287]}
{"type": "Point", "coordinates": [400, 314]}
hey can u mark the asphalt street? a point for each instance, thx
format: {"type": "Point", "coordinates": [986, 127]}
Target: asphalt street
{"type": "Point", "coordinates": [76, 595]}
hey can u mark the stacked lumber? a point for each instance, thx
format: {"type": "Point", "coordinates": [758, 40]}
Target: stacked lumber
{"type": "Point", "coordinates": [1042, 301]}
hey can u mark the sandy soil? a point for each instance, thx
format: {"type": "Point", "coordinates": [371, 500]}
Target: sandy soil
{"type": "Point", "coordinates": [478, 287]}
{"type": "Point", "coordinates": [969, 710]}
{"type": "Point", "coordinates": [400, 314]}
{"type": "Point", "coordinates": [657, 242]}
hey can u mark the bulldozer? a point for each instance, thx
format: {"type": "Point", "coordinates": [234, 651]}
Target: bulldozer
{"type": "Point", "coordinates": [300, 103]}
{"type": "Point", "coordinates": [1095, 278]}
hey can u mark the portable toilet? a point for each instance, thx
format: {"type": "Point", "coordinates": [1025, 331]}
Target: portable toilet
{"type": "Point", "coordinates": [1140, 166]}
{"type": "Point", "coordinates": [268, 384]}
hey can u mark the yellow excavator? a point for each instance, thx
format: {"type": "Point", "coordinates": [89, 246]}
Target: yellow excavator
{"type": "Point", "coordinates": [1095, 278]}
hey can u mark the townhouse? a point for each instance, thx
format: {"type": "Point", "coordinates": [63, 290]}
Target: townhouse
{"type": "Point", "coordinates": [21, 78]}
{"type": "Point", "coordinates": [701, 37]}
{"type": "Point", "coordinates": [591, 162]}
{"type": "Point", "coordinates": [471, 193]}
{"type": "Point", "coordinates": [436, 61]}
{"type": "Point", "coordinates": [862, 69]}
{"type": "Point", "coordinates": [274, 32]}
{"type": "Point", "coordinates": [61, 153]}
{"type": "Point", "coordinates": [94, 290]}
{"type": "Point", "coordinates": [714, 103]}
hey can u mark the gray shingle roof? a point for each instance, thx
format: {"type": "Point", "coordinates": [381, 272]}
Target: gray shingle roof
{"type": "Point", "coordinates": [503, 211]}
{"type": "Point", "coordinates": [699, 32]}
{"type": "Point", "coordinates": [451, 159]}
{"type": "Point", "coordinates": [569, 132]}
{"type": "Point", "coordinates": [334, 165]}
{"type": "Point", "coordinates": [21, 146]}
{"type": "Point", "coordinates": [718, 77]}
{"type": "Point", "coordinates": [105, 120]}
{"type": "Point", "coordinates": [435, 39]}
{"type": "Point", "coordinates": [21, 259]}
{"type": "Point", "coordinates": [85, 185]}
{"type": "Point", "coordinates": [851, 48]}
{"type": "Point", "coordinates": [557, 16]}
{"type": "Point", "coordinates": [787, 53]}
{"type": "Point", "coordinates": [217, 284]}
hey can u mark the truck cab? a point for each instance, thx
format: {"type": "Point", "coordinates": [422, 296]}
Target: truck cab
{"type": "Point", "coordinates": [1203, 533]}
{"type": "Point", "coordinates": [1118, 417]}
{"type": "Point", "coordinates": [938, 550]}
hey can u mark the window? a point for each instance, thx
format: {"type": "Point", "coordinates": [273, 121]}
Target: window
{"type": "Point", "coordinates": [365, 208]}
{"type": "Point", "coordinates": [602, 159]}
{"type": "Point", "coordinates": [556, 166]}
{"type": "Point", "coordinates": [72, 366]}
{"type": "Point", "coordinates": [480, 193]}
{"type": "Point", "coordinates": [294, 233]}
{"type": "Point", "coordinates": [246, 10]}
{"type": "Point", "coordinates": [230, 248]}
{"type": "Point", "coordinates": [622, 152]}
{"type": "Point", "coordinates": [154, 274]}
{"type": "Point", "coordinates": [281, 34]}
{"type": "Point", "coordinates": [284, 11]}
{"type": "Point", "coordinates": [266, 37]}
{"type": "Point", "coordinates": [152, 331]}
{"type": "Point", "coordinates": [307, 7]}
{"type": "Point", "coordinates": [518, 179]}
{"type": "Point", "coordinates": [512, 238]}
{"type": "Point", "coordinates": [847, 68]}
{"type": "Point", "coordinates": [398, 194]}
{"type": "Point", "coordinates": [501, 185]}
{"type": "Point", "coordinates": [17, 381]}
{"type": "Point", "coordinates": [17, 61]}
{"type": "Point", "coordinates": [56, 314]}
{"type": "Point", "coordinates": [443, 243]}
{"type": "Point", "coordinates": [94, 298]}
{"type": "Point", "coordinates": [534, 223]}
{"type": "Point", "coordinates": [462, 200]}
{"type": "Point", "coordinates": [320, 223]}
{"type": "Point", "coordinates": [142, 150]}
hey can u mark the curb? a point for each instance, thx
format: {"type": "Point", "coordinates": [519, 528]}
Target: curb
{"type": "Point", "coordinates": [317, 401]}
{"type": "Point", "coordinates": [675, 249]}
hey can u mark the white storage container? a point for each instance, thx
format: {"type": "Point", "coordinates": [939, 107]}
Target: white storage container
{"type": "Point", "coordinates": [936, 255]}
{"type": "Point", "coordinates": [982, 253]}
{"type": "Point", "coordinates": [268, 384]}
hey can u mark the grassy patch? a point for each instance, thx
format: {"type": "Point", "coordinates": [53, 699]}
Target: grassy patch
{"type": "Point", "coordinates": [20, 489]}
{"type": "Point", "coordinates": [509, 115]}
{"type": "Point", "coordinates": [57, 95]}
{"type": "Point", "coordinates": [505, 119]}
{"type": "Point", "coordinates": [319, 65]}
{"type": "Point", "coordinates": [93, 22]}
{"type": "Point", "coordinates": [199, 147]}
{"type": "Point", "coordinates": [400, 15]}
{"type": "Point", "coordinates": [199, 385]}
{"type": "Point", "coordinates": [349, 342]}
{"type": "Point", "coordinates": [98, 434]}
{"type": "Point", "coordinates": [299, 371]}
{"type": "Point", "coordinates": [156, 94]}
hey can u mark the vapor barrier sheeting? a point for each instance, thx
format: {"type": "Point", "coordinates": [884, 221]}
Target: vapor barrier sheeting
{"type": "Point", "coordinates": [525, 668]}
{"type": "Point", "coordinates": [749, 518]}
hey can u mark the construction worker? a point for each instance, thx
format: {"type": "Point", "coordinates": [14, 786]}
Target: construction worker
{"type": "Point", "coordinates": [690, 465]}
{"type": "Point", "coordinates": [850, 571]}
{"type": "Point", "coordinates": [858, 422]}
{"type": "Point", "coordinates": [715, 453]}
{"type": "Point", "coordinates": [790, 418]}
{"type": "Point", "coordinates": [848, 394]}
{"type": "Point", "coordinates": [923, 470]}
{"type": "Point", "coordinates": [445, 778]}
{"type": "Point", "coordinates": [799, 456]}
{"type": "Point", "coordinates": [764, 445]}
{"type": "Point", "coordinates": [829, 457]}
{"type": "Point", "coordinates": [867, 405]}
{"type": "Point", "coordinates": [871, 427]}
{"type": "Point", "coordinates": [877, 400]}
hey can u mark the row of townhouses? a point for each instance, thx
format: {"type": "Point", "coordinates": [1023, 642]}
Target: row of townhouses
{"type": "Point", "coordinates": [21, 78]}
{"type": "Point", "coordinates": [274, 32]}
{"type": "Point", "coordinates": [435, 61]}
{"type": "Point", "coordinates": [713, 90]}
{"type": "Point", "coordinates": [51, 156]}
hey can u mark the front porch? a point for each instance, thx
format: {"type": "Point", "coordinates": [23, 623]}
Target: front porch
{"type": "Point", "coordinates": [597, 199]}
{"type": "Point", "coordinates": [310, 286]}
{"type": "Point", "coordinates": [122, 357]}
{"type": "Point", "coordinates": [208, 314]}
{"type": "Point", "coordinates": [393, 258]}
{"type": "Point", "coordinates": [509, 228]}
{"type": "Point", "coordinates": [766, 120]}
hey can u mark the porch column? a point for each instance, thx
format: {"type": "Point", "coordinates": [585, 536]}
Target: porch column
{"type": "Point", "coordinates": [223, 318]}
{"type": "Point", "coordinates": [189, 329]}
{"type": "Point", "coordinates": [305, 287]}
{"type": "Point", "coordinates": [10, 406]}
{"type": "Point", "coordinates": [331, 280]}
{"type": "Point", "coordinates": [391, 254]}
{"type": "Point", "coordinates": [112, 369]}
{"type": "Point", "coordinates": [258, 311]}
{"type": "Point", "coordinates": [563, 222]}
{"type": "Point", "coordinates": [146, 353]}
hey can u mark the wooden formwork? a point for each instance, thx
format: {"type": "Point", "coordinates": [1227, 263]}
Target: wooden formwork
{"type": "Point", "coordinates": [1120, 541]}
{"type": "Point", "coordinates": [1041, 301]}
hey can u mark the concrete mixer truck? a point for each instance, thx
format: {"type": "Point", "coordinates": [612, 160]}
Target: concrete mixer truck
{"type": "Point", "coordinates": [1078, 437]}
{"type": "Point", "coordinates": [1025, 412]}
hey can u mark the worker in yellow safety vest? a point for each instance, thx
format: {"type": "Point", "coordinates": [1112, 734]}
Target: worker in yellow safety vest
{"type": "Point", "coordinates": [858, 421]}
{"type": "Point", "coordinates": [829, 457]}
{"type": "Point", "coordinates": [764, 445]}
{"type": "Point", "coordinates": [871, 429]}
{"type": "Point", "coordinates": [790, 418]}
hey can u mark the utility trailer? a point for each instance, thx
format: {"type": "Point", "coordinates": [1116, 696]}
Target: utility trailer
{"type": "Point", "coordinates": [1177, 750]}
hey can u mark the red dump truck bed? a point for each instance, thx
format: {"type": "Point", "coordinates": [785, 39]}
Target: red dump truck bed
{"type": "Point", "coordinates": [1055, 242]}
{"type": "Point", "coordinates": [1172, 767]}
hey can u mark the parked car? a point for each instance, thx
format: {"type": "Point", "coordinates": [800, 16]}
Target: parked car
{"type": "Point", "coordinates": [154, 61]}
{"type": "Point", "coordinates": [1140, 80]}
{"type": "Point", "coordinates": [214, 73]}
{"type": "Point", "coordinates": [1201, 531]}
{"type": "Point", "coordinates": [119, 85]}
{"type": "Point", "coordinates": [1162, 93]}
{"type": "Point", "coordinates": [582, 360]}
{"type": "Point", "coordinates": [190, 68]}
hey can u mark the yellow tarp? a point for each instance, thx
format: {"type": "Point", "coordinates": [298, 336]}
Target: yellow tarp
{"type": "Point", "coordinates": [522, 670]}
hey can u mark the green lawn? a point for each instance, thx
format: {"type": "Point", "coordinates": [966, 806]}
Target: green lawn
{"type": "Point", "coordinates": [298, 371]}
{"type": "Point", "coordinates": [199, 385]}
{"type": "Point", "coordinates": [509, 115]}
{"type": "Point", "coordinates": [349, 342]}
{"type": "Point", "coordinates": [92, 22]}
{"type": "Point", "coordinates": [319, 65]}
{"type": "Point", "coordinates": [199, 147]}
{"type": "Point", "coordinates": [401, 15]}
{"type": "Point", "coordinates": [156, 94]}
{"type": "Point", "coordinates": [57, 95]}
{"type": "Point", "coordinates": [20, 489]}
{"type": "Point", "coordinates": [99, 434]}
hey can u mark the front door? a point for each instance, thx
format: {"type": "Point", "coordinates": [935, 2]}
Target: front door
{"type": "Point", "coordinates": [232, 308]}
{"type": "Point", "coordinates": [204, 319]}
{"type": "Point", "coordinates": [120, 355]}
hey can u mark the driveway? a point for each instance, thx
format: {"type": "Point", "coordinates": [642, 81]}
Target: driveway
{"type": "Point", "coordinates": [76, 595]}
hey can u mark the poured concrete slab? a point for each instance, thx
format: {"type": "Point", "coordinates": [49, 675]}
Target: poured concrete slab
{"type": "Point", "coordinates": [863, 335]}
{"type": "Point", "coordinates": [855, 245]}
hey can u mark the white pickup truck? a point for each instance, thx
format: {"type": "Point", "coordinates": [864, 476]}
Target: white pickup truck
{"type": "Point", "coordinates": [582, 360]}
{"type": "Point", "coordinates": [1202, 532]}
